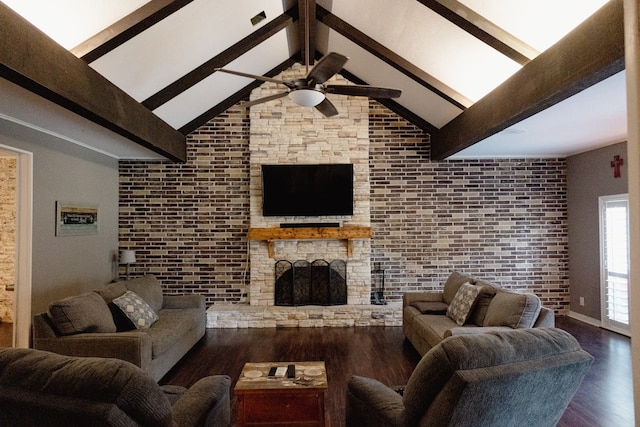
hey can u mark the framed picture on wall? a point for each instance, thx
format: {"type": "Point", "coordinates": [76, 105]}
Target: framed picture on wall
{"type": "Point", "coordinates": [75, 219]}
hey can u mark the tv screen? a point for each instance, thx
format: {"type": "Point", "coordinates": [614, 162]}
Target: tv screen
{"type": "Point", "coordinates": [307, 190]}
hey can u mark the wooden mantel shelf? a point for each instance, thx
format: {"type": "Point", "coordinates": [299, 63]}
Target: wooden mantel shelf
{"type": "Point", "coordinates": [306, 233]}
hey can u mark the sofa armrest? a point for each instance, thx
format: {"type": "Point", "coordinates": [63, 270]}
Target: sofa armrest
{"type": "Point", "coordinates": [466, 330]}
{"type": "Point", "coordinates": [183, 301]}
{"type": "Point", "coordinates": [131, 346]}
{"type": "Point", "coordinates": [206, 403]}
{"type": "Point", "coordinates": [546, 318]}
{"type": "Point", "coordinates": [410, 297]}
{"type": "Point", "coordinates": [371, 403]}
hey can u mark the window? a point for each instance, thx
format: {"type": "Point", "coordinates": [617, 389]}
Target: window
{"type": "Point", "coordinates": [614, 262]}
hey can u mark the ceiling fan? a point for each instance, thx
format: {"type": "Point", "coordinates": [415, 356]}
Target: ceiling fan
{"type": "Point", "coordinates": [311, 90]}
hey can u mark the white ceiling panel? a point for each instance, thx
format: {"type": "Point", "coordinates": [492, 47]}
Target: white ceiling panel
{"type": "Point", "coordinates": [430, 42]}
{"type": "Point", "coordinates": [593, 118]}
{"type": "Point", "coordinates": [219, 86]}
{"type": "Point", "coordinates": [70, 22]}
{"type": "Point", "coordinates": [376, 72]}
{"type": "Point", "coordinates": [525, 18]}
{"type": "Point", "coordinates": [182, 42]}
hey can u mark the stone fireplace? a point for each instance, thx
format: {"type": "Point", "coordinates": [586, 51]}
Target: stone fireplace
{"type": "Point", "coordinates": [283, 133]}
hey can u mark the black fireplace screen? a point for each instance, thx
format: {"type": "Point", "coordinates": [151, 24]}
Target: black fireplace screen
{"type": "Point", "coordinates": [310, 283]}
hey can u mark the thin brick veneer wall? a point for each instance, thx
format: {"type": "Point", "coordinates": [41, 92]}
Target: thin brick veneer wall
{"type": "Point", "coordinates": [500, 220]}
{"type": "Point", "coordinates": [504, 221]}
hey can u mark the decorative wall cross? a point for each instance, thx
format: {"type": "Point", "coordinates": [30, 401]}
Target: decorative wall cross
{"type": "Point", "coordinates": [615, 164]}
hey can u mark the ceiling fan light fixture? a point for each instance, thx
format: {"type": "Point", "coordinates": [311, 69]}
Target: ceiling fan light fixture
{"type": "Point", "coordinates": [306, 97]}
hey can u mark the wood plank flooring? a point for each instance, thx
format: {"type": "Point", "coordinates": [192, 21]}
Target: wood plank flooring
{"type": "Point", "coordinates": [604, 399]}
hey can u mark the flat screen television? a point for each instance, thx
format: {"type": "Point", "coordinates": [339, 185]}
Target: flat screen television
{"type": "Point", "coordinates": [307, 190]}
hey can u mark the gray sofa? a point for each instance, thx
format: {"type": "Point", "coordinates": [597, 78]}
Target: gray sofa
{"type": "Point", "coordinates": [429, 317]}
{"type": "Point", "coordinates": [97, 324]}
{"type": "Point", "coordinates": [521, 377]}
{"type": "Point", "coordinates": [39, 388]}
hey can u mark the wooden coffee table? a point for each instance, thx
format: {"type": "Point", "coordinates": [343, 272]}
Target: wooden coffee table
{"type": "Point", "coordinates": [265, 401]}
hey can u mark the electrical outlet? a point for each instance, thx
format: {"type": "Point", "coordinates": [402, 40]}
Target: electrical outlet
{"type": "Point", "coordinates": [582, 301]}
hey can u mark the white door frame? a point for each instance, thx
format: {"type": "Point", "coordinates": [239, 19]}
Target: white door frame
{"type": "Point", "coordinates": [613, 325]}
{"type": "Point", "coordinates": [24, 232]}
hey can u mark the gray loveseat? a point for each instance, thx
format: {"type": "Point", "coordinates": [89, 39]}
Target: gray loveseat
{"type": "Point", "coordinates": [429, 317]}
{"type": "Point", "coordinates": [39, 388]}
{"type": "Point", "coordinates": [93, 324]}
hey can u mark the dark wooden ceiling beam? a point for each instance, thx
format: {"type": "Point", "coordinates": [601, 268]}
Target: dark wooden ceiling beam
{"type": "Point", "coordinates": [307, 27]}
{"type": "Point", "coordinates": [235, 98]}
{"type": "Point", "coordinates": [32, 60]}
{"type": "Point", "coordinates": [222, 59]}
{"type": "Point", "coordinates": [486, 31]}
{"type": "Point", "coordinates": [391, 58]}
{"type": "Point", "coordinates": [589, 54]}
{"type": "Point", "coordinates": [127, 28]}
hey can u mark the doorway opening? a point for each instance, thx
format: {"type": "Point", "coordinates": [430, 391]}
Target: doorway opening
{"type": "Point", "coordinates": [15, 283]}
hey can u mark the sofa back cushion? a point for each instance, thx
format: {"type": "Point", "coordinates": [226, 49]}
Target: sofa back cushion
{"type": "Point", "coordinates": [87, 312]}
{"type": "Point", "coordinates": [453, 283]}
{"type": "Point", "coordinates": [516, 310]}
{"type": "Point", "coordinates": [495, 378]}
{"type": "Point", "coordinates": [111, 291]}
{"type": "Point", "coordinates": [148, 288]}
{"type": "Point", "coordinates": [42, 388]}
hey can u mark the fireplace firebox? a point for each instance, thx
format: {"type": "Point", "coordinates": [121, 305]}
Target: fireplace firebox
{"type": "Point", "coordinates": [310, 283]}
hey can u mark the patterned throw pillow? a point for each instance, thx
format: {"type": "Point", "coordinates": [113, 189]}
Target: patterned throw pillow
{"type": "Point", "coordinates": [136, 309]}
{"type": "Point", "coordinates": [462, 303]}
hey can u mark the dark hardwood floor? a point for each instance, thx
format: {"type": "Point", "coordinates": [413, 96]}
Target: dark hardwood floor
{"type": "Point", "coordinates": [604, 399]}
{"type": "Point", "coordinates": [6, 334]}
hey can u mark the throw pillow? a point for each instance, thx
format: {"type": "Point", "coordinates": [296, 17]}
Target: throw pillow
{"type": "Point", "coordinates": [82, 313]}
{"type": "Point", "coordinates": [136, 309]}
{"type": "Point", "coordinates": [487, 292]}
{"type": "Point", "coordinates": [463, 303]}
{"type": "Point", "coordinates": [430, 307]}
{"type": "Point", "coordinates": [148, 288]}
{"type": "Point", "coordinates": [453, 283]}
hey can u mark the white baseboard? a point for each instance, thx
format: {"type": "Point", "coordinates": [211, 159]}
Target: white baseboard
{"type": "Point", "coordinates": [585, 319]}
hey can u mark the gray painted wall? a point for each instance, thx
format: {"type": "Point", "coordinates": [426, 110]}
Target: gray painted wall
{"type": "Point", "coordinates": [67, 265]}
{"type": "Point", "coordinates": [589, 176]}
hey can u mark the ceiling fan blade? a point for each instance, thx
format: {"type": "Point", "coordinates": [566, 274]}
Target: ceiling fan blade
{"type": "Point", "coordinates": [327, 108]}
{"type": "Point", "coordinates": [265, 99]}
{"type": "Point", "coordinates": [363, 90]}
{"type": "Point", "coordinates": [255, 77]}
{"type": "Point", "coordinates": [328, 65]}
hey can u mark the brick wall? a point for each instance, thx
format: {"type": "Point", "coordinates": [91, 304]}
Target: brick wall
{"type": "Point", "coordinates": [502, 220]}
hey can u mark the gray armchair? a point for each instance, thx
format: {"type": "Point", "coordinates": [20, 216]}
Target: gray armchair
{"type": "Point", "coordinates": [39, 388]}
{"type": "Point", "coordinates": [514, 378]}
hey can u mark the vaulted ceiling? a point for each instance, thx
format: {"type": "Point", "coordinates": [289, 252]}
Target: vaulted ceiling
{"type": "Point", "coordinates": [482, 77]}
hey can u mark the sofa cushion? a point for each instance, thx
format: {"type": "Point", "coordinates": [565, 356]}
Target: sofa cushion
{"type": "Point", "coordinates": [136, 309]}
{"type": "Point", "coordinates": [452, 285]}
{"type": "Point", "coordinates": [148, 288]}
{"type": "Point", "coordinates": [516, 310]}
{"type": "Point", "coordinates": [463, 302]}
{"type": "Point", "coordinates": [430, 307]}
{"type": "Point", "coordinates": [487, 292]}
{"type": "Point", "coordinates": [112, 290]}
{"type": "Point", "coordinates": [170, 326]}
{"type": "Point", "coordinates": [82, 313]}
